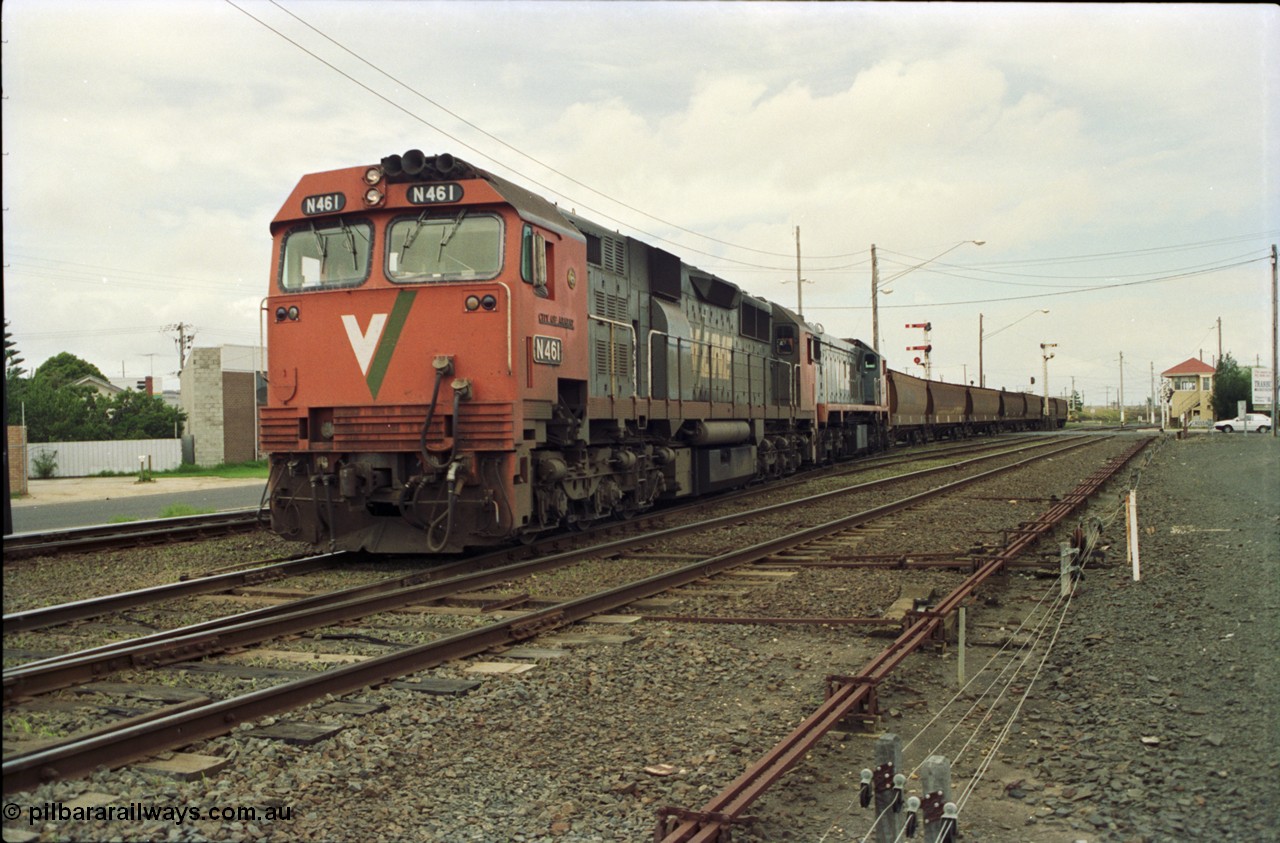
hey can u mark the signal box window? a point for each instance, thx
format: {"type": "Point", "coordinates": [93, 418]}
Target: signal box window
{"type": "Point", "coordinates": [331, 255]}
{"type": "Point", "coordinates": [457, 247]}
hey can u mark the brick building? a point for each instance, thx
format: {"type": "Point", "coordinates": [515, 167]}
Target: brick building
{"type": "Point", "coordinates": [17, 466]}
{"type": "Point", "coordinates": [219, 394]}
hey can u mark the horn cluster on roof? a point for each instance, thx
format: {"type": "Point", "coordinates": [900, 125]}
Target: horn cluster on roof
{"type": "Point", "coordinates": [416, 166]}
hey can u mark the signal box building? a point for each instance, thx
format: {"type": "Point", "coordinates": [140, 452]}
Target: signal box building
{"type": "Point", "coordinates": [1192, 385]}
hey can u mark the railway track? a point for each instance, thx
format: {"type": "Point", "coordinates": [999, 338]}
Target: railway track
{"type": "Point", "coordinates": [240, 577]}
{"type": "Point", "coordinates": [131, 534]}
{"type": "Point", "coordinates": [77, 756]}
{"type": "Point", "coordinates": [856, 694]}
{"type": "Point", "coordinates": [344, 604]}
{"type": "Point", "coordinates": [192, 527]}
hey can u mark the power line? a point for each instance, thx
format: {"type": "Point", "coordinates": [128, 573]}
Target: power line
{"type": "Point", "coordinates": [1158, 279]}
{"type": "Point", "coordinates": [487, 157]}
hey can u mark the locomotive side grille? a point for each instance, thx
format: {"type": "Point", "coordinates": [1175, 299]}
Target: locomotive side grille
{"type": "Point", "coordinates": [613, 255]}
{"type": "Point", "coordinates": [613, 358]}
{"type": "Point", "coordinates": [611, 306]}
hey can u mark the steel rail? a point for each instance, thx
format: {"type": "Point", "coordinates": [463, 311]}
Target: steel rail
{"type": "Point", "coordinates": [47, 616]}
{"type": "Point", "coordinates": [131, 533]}
{"type": "Point", "coordinates": [713, 819]}
{"type": "Point", "coordinates": [77, 757]}
{"type": "Point", "coordinates": [247, 628]}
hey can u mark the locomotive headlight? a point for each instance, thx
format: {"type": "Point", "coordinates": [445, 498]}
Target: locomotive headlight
{"type": "Point", "coordinates": [488, 302]}
{"type": "Point", "coordinates": [293, 313]}
{"type": "Point", "coordinates": [281, 314]}
{"type": "Point", "coordinates": [373, 196]}
{"type": "Point", "coordinates": [373, 175]}
{"type": "Point", "coordinates": [472, 303]}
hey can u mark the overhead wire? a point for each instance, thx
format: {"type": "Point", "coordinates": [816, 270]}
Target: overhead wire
{"type": "Point", "coordinates": [453, 137]}
{"type": "Point", "coordinates": [526, 155]}
{"type": "Point", "coordinates": [1073, 291]}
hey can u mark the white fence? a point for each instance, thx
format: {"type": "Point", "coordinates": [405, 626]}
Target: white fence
{"type": "Point", "coordinates": [85, 459]}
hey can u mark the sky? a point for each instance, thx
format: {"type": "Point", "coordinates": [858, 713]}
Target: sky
{"type": "Point", "coordinates": [1119, 163]}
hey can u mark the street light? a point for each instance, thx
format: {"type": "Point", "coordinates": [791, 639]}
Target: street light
{"type": "Point", "coordinates": [876, 284]}
{"type": "Point", "coordinates": [982, 381]}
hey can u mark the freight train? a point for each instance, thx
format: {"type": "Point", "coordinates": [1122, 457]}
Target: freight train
{"type": "Point", "coordinates": [456, 362]}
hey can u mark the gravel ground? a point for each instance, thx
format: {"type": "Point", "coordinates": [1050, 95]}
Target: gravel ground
{"type": "Point", "coordinates": [573, 751]}
{"type": "Point", "coordinates": [1158, 716]}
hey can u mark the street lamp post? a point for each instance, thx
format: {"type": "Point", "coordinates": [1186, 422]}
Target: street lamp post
{"type": "Point", "coordinates": [982, 378]}
{"type": "Point", "coordinates": [876, 284]}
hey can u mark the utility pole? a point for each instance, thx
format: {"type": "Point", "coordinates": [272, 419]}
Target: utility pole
{"type": "Point", "coordinates": [1121, 399]}
{"type": "Point", "coordinates": [186, 336]}
{"type": "Point", "coordinates": [982, 380]}
{"type": "Point", "coordinates": [1218, 362]}
{"type": "Point", "coordinates": [1151, 402]}
{"type": "Point", "coordinates": [1275, 375]}
{"type": "Point", "coordinates": [799, 280]}
{"type": "Point", "coordinates": [875, 313]}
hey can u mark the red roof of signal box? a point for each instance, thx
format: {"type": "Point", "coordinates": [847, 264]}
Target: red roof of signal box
{"type": "Point", "coordinates": [1190, 366]}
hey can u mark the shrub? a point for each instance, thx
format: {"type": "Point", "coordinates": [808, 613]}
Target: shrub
{"type": "Point", "coordinates": [45, 464]}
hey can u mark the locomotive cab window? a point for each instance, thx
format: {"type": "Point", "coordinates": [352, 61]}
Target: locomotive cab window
{"type": "Point", "coordinates": [815, 350]}
{"type": "Point", "coordinates": [326, 255]}
{"type": "Point", "coordinates": [534, 258]}
{"type": "Point", "coordinates": [445, 247]}
{"type": "Point", "coordinates": [784, 341]}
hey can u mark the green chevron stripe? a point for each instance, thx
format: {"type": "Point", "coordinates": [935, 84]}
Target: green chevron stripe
{"type": "Point", "coordinates": [390, 336]}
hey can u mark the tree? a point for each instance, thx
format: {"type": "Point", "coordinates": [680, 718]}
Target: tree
{"type": "Point", "coordinates": [65, 368]}
{"type": "Point", "coordinates": [12, 361]}
{"type": "Point", "coordinates": [54, 414]}
{"type": "Point", "coordinates": [1231, 384]}
{"type": "Point", "coordinates": [135, 415]}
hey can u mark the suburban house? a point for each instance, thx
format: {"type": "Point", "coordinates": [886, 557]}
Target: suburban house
{"type": "Point", "coordinates": [98, 385]}
{"type": "Point", "coordinates": [1192, 386]}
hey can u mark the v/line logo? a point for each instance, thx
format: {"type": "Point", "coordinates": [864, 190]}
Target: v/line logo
{"type": "Point", "coordinates": [374, 344]}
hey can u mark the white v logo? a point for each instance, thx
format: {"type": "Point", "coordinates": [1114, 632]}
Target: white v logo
{"type": "Point", "coordinates": [363, 343]}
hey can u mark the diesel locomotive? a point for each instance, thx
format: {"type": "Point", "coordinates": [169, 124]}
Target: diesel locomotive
{"type": "Point", "coordinates": [455, 362]}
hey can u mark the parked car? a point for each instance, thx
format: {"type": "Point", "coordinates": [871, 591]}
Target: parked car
{"type": "Point", "coordinates": [1247, 422]}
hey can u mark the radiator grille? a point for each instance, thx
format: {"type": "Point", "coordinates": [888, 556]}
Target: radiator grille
{"type": "Point", "coordinates": [613, 358]}
{"type": "Point", "coordinates": [611, 306]}
{"type": "Point", "coordinates": [613, 255]}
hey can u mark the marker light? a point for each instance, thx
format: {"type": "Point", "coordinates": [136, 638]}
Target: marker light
{"type": "Point", "coordinates": [293, 313]}
{"type": "Point", "coordinates": [488, 302]}
{"type": "Point", "coordinates": [373, 196]}
{"type": "Point", "coordinates": [472, 302]}
{"type": "Point", "coordinates": [281, 313]}
{"type": "Point", "coordinates": [373, 175]}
